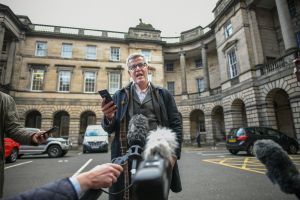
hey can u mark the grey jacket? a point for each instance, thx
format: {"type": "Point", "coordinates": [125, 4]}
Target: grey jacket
{"type": "Point", "coordinates": [9, 127]}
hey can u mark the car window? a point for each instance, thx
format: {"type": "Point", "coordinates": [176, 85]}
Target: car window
{"type": "Point", "coordinates": [241, 132]}
{"type": "Point", "coordinates": [94, 132]}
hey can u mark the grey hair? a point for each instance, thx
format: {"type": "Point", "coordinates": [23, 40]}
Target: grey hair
{"type": "Point", "coordinates": [134, 56]}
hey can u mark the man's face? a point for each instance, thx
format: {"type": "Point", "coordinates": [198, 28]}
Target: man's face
{"type": "Point", "coordinates": [138, 71]}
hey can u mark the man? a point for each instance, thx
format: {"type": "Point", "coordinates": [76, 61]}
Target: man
{"type": "Point", "coordinates": [10, 127]}
{"type": "Point", "coordinates": [102, 176]}
{"type": "Point", "coordinates": [140, 97]}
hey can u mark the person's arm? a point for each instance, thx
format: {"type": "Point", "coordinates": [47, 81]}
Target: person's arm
{"type": "Point", "coordinates": [16, 131]}
{"type": "Point", "coordinates": [101, 176]}
{"type": "Point", "coordinates": [174, 119]}
{"type": "Point", "coordinates": [12, 126]}
{"type": "Point", "coordinates": [62, 189]}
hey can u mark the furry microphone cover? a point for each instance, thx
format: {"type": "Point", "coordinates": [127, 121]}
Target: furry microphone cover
{"type": "Point", "coordinates": [138, 128]}
{"type": "Point", "coordinates": [281, 169]}
{"type": "Point", "coordinates": [161, 141]}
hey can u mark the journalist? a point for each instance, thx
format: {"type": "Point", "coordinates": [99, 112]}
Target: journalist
{"type": "Point", "coordinates": [101, 176]}
{"type": "Point", "coordinates": [140, 97]}
{"type": "Point", "coordinates": [10, 127]}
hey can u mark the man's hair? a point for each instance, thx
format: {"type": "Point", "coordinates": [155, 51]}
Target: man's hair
{"type": "Point", "coordinates": [134, 56]}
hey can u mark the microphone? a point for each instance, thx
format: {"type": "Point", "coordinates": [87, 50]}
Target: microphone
{"type": "Point", "coordinates": [280, 168]}
{"type": "Point", "coordinates": [153, 178]}
{"type": "Point", "coordinates": [136, 138]}
{"type": "Point", "coordinates": [160, 142]}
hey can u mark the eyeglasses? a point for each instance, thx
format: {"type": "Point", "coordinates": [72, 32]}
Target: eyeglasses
{"type": "Point", "coordinates": [133, 67]}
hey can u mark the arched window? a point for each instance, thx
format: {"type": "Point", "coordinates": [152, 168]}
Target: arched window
{"type": "Point", "coordinates": [33, 119]}
{"type": "Point", "coordinates": [62, 120]}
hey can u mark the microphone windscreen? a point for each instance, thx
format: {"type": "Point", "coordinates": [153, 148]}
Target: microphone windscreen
{"type": "Point", "coordinates": [138, 128]}
{"type": "Point", "coordinates": [161, 141]}
{"type": "Point", "coordinates": [280, 168]}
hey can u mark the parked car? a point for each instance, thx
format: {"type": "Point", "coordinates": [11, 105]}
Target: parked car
{"type": "Point", "coordinates": [95, 139]}
{"type": "Point", "coordinates": [54, 147]}
{"type": "Point", "coordinates": [11, 150]}
{"type": "Point", "coordinates": [242, 139]}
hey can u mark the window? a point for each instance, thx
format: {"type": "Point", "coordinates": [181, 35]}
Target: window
{"type": "Point", "coordinates": [115, 53]}
{"type": "Point", "coordinates": [41, 49]}
{"type": "Point", "coordinates": [37, 79]}
{"type": "Point", "coordinates": [64, 81]}
{"type": "Point", "coordinates": [198, 63]}
{"type": "Point", "coordinates": [292, 7]}
{"type": "Point", "coordinates": [170, 67]}
{"type": "Point", "coordinates": [298, 38]}
{"type": "Point", "coordinates": [66, 50]}
{"type": "Point", "coordinates": [232, 64]}
{"type": "Point", "coordinates": [200, 85]}
{"type": "Point", "coordinates": [228, 29]}
{"type": "Point", "coordinates": [91, 52]}
{"type": "Point", "coordinates": [114, 82]}
{"type": "Point", "coordinates": [89, 81]}
{"type": "Point", "coordinates": [147, 54]}
{"type": "Point", "coordinates": [150, 77]}
{"type": "Point", "coordinates": [171, 87]}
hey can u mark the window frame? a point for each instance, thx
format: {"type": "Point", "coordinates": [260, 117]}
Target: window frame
{"type": "Point", "coordinates": [199, 88]}
{"type": "Point", "coordinates": [91, 55]}
{"type": "Point", "coordinates": [59, 80]}
{"type": "Point", "coordinates": [228, 29]}
{"type": "Point", "coordinates": [169, 83]}
{"type": "Point", "coordinates": [95, 80]}
{"type": "Point", "coordinates": [43, 50]}
{"type": "Point", "coordinates": [168, 67]}
{"type": "Point", "coordinates": [66, 54]}
{"type": "Point", "coordinates": [112, 56]}
{"type": "Point", "coordinates": [41, 84]}
{"type": "Point", "coordinates": [110, 89]}
{"type": "Point", "coordinates": [147, 54]}
{"type": "Point", "coordinates": [233, 72]}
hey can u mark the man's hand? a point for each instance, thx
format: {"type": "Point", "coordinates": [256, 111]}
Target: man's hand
{"type": "Point", "coordinates": [39, 138]}
{"type": "Point", "coordinates": [109, 109]}
{"type": "Point", "coordinates": [101, 176]}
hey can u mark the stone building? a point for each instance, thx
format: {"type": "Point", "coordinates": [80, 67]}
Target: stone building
{"type": "Point", "coordinates": [240, 70]}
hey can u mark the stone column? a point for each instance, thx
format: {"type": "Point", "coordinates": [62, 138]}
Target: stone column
{"type": "Point", "coordinates": [183, 74]}
{"type": "Point", "coordinates": [10, 62]}
{"type": "Point", "coordinates": [2, 32]}
{"type": "Point", "coordinates": [285, 20]}
{"type": "Point", "coordinates": [205, 67]}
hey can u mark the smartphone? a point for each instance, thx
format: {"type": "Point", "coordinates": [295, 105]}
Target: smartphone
{"type": "Point", "coordinates": [51, 130]}
{"type": "Point", "coordinates": [105, 94]}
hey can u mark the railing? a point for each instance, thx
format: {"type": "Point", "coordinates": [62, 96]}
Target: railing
{"type": "Point", "coordinates": [77, 31]}
{"type": "Point", "coordinates": [280, 63]}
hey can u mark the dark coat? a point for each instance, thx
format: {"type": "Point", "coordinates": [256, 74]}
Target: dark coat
{"type": "Point", "coordinates": [170, 116]}
{"type": "Point", "coordinates": [9, 127]}
{"type": "Point", "coordinates": [59, 190]}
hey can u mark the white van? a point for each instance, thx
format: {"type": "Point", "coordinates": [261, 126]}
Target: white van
{"type": "Point", "coordinates": [95, 139]}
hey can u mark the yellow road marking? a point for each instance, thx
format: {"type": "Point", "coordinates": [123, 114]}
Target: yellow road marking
{"type": "Point", "coordinates": [245, 163]}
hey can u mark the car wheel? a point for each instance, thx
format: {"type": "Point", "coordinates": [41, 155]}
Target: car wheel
{"type": "Point", "coordinates": [250, 150]}
{"type": "Point", "coordinates": [292, 149]}
{"type": "Point", "coordinates": [83, 150]}
{"type": "Point", "coordinates": [234, 152]}
{"type": "Point", "coordinates": [13, 155]}
{"type": "Point", "coordinates": [54, 151]}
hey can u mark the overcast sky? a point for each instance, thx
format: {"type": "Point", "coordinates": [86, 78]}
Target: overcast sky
{"type": "Point", "coordinates": [169, 16]}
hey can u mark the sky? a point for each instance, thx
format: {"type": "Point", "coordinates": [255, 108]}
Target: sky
{"type": "Point", "coordinates": [170, 16]}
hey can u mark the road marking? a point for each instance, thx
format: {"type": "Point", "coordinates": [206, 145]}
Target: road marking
{"type": "Point", "coordinates": [82, 168]}
{"type": "Point", "coordinates": [212, 154]}
{"type": "Point", "coordinates": [247, 163]}
{"type": "Point", "coordinates": [17, 164]}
